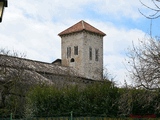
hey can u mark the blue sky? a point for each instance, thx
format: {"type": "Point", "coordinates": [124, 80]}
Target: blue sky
{"type": "Point", "coordinates": [32, 27]}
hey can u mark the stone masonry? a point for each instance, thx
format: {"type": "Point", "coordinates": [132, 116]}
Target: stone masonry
{"type": "Point", "coordinates": [82, 49]}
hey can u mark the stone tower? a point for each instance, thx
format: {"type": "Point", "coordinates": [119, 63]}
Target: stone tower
{"type": "Point", "coordinates": [82, 49]}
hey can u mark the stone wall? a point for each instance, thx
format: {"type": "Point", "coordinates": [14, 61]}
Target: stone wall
{"type": "Point", "coordinates": [63, 80]}
{"type": "Point", "coordinates": [93, 69]}
{"type": "Point", "coordinates": [82, 64]}
{"type": "Point", "coordinates": [72, 40]}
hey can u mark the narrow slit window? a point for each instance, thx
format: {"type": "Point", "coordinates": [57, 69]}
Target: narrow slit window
{"type": "Point", "coordinates": [75, 50]}
{"type": "Point", "coordinates": [96, 54]}
{"type": "Point", "coordinates": [68, 52]}
{"type": "Point", "coordinates": [90, 53]}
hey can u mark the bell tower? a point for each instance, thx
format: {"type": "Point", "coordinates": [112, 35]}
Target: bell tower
{"type": "Point", "coordinates": [82, 49]}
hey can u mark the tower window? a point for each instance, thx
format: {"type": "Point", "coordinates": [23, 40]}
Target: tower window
{"type": "Point", "coordinates": [96, 54]}
{"type": "Point", "coordinates": [90, 53]}
{"type": "Point", "coordinates": [72, 60]}
{"type": "Point", "coordinates": [75, 50]}
{"type": "Point", "coordinates": [68, 52]}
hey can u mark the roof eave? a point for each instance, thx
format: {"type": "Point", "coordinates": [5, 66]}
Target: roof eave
{"type": "Point", "coordinates": [63, 34]}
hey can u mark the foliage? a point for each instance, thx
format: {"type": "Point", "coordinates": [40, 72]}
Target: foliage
{"type": "Point", "coordinates": [99, 99]}
{"type": "Point", "coordinates": [139, 102]}
{"type": "Point", "coordinates": [93, 100]}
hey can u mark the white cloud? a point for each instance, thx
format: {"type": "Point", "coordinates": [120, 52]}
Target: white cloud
{"type": "Point", "coordinates": [56, 9]}
{"type": "Point", "coordinates": [30, 36]}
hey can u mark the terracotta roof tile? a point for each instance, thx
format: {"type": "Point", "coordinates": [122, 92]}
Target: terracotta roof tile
{"type": "Point", "coordinates": [80, 26]}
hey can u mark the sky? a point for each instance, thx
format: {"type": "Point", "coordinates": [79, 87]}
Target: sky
{"type": "Point", "coordinates": [31, 27]}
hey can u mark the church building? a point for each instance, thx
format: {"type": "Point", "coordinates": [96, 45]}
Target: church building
{"type": "Point", "coordinates": [81, 60]}
{"type": "Point", "coordinates": [82, 49]}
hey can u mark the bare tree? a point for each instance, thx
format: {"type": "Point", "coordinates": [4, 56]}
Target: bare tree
{"type": "Point", "coordinates": [144, 61]}
{"type": "Point", "coordinates": [12, 84]}
{"type": "Point", "coordinates": [155, 9]}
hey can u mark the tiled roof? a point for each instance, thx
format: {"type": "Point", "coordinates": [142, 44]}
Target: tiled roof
{"type": "Point", "coordinates": [36, 71]}
{"type": "Point", "coordinates": [41, 67]}
{"type": "Point", "coordinates": [80, 26]}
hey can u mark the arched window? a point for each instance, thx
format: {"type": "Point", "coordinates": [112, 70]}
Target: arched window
{"type": "Point", "coordinates": [72, 60]}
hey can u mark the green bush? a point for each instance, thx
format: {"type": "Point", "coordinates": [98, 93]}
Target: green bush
{"type": "Point", "coordinates": [95, 99]}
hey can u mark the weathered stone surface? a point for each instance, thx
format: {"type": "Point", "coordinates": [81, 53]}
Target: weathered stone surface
{"type": "Point", "coordinates": [34, 72]}
{"type": "Point", "coordinates": [91, 69]}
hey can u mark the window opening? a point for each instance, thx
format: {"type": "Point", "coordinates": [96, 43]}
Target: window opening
{"type": "Point", "coordinates": [68, 52]}
{"type": "Point", "coordinates": [90, 53]}
{"type": "Point", "coordinates": [96, 54]}
{"type": "Point", "coordinates": [72, 60]}
{"type": "Point", "coordinates": [75, 50]}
